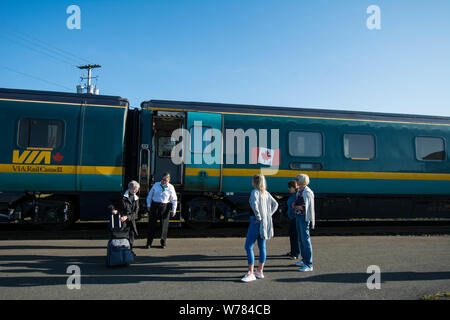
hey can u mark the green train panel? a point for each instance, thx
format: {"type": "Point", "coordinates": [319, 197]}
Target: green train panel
{"type": "Point", "coordinates": [61, 142]}
{"type": "Point", "coordinates": [342, 152]}
{"type": "Point", "coordinates": [391, 168]}
{"type": "Point", "coordinates": [202, 155]}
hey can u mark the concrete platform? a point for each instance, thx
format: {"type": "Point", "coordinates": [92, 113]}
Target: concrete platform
{"type": "Point", "coordinates": [210, 268]}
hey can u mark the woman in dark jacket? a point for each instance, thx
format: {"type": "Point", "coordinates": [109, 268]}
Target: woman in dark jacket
{"type": "Point", "coordinates": [293, 236]}
{"type": "Point", "coordinates": [128, 208]}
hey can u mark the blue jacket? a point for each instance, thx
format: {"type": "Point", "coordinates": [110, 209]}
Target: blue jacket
{"type": "Point", "coordinates": [291, 211]}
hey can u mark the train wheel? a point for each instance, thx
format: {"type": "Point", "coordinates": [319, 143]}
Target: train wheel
{"type": "Point", "coordinates": [62, 215]}
{"type": "Point", "coordinates": [200, 213]}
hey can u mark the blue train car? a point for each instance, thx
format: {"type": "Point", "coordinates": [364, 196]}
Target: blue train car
{"type": "Point", "coordinates": [62, 154]}
{"type": "Point", "coordinates": [361, 164]}
{"type": "Point", "coordinates": [65, 156]}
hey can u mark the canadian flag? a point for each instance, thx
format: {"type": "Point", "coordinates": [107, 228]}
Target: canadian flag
{"type": "Point", "coordinates": [269, 157]}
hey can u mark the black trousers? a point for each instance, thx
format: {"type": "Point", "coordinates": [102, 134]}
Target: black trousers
{"type": "Point", "coordinates": [158, 211]}
{"type": "Point", "coordinates": [132, 236]}
{"type": "Point", "coordinates": [294, 238]}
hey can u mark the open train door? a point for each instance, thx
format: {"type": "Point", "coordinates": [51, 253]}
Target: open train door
{"type": "Point", "coordinates": [156, 147]}
{"type": "Point", "coordinates": [163, 142]}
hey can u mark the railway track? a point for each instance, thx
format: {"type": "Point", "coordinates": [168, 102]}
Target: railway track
{"type": "Point", "coordinates": [99, 230]}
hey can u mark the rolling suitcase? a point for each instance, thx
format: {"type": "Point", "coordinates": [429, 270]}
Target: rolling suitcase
{"type": "Point", "coordinates": [118, 252]}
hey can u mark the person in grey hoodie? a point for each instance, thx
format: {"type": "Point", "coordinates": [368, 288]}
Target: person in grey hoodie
{"type": "Point", "coordinates": [305, 216]}
{"type": "Point", "coordinates": [261, 226]}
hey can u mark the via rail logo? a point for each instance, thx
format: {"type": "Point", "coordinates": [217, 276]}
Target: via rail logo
{"type": "Point", "coordinates": [36, 161]}
{"type": "Point", "coordinates": [35, 157]}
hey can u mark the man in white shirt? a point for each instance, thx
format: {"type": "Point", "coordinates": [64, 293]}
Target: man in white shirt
{"type": "Point", "coordinates": [157, 205]}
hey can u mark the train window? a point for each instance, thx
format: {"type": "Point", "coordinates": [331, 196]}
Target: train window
{"type": "Point", "coordinates": [430, 148]}
{"type": "Point", "coordinates": [40, 133]}
{"type": "Point", "coordinates": [359, 146]}
{"type": "Point", "coordinates": [165, 146]}
{"type": "Point", "coordinates": [305, 144]}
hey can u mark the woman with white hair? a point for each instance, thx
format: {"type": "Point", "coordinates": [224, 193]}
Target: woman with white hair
{"type": "Point", "coordinates": [305, 215]}
{"type": "Point", "coordinates": [261, 226]}
{"type": "Point", "coordinates": [128, 208]}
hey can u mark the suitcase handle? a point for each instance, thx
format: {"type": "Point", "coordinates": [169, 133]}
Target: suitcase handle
{"type": "Point", "coordinates": [112, 222]}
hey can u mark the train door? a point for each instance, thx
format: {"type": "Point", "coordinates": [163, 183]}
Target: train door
{"type": "Point", "coordinates": [156, 147]}
{"type": "Point", "coordinates": [203, 171]}
{"type": "Point", "coordinates": [164, 123]}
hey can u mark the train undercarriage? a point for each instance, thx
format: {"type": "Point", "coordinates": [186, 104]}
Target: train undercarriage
{"type": "Point", "coordinates": [59, 211]}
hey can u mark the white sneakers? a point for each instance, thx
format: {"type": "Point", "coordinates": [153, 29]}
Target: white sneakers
{"type": "Point", "coordinates": [305, 268]}
{"type": "Point", "coordinates": [257, 275]}
{"type": "Point", "coordinates": [248, 277]}
{"type": "Point", "coordinates": [300, 263]}
{"type": "Point", "coordinates": [252, 277]}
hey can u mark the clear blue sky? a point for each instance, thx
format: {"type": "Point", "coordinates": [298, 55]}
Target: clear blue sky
{"type": "Point", "coordinates": [314, 53]}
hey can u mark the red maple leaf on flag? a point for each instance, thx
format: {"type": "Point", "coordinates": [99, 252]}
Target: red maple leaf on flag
{"type": "Point", "coordinates": [58, 157]}
{"type": "Point", "coordinates": [266, 155]}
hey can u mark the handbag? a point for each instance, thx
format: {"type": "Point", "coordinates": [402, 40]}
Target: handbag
{"type": "Point", "coordinates": [299, 201]}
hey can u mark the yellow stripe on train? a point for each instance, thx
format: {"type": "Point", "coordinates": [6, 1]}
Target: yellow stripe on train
{"type": "Point", "coordinates": [55, 169]}
{"type": "Point", "coordinates": [230, 172]}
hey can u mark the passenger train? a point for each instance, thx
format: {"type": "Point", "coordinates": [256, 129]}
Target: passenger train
{"type": "Point", "coordinates": [65, 156]}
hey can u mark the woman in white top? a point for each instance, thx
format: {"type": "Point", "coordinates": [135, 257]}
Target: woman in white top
{"type": "Point", "coordinates": [305, 216]}
{"type": "Point", "coordinates": [261, 226]}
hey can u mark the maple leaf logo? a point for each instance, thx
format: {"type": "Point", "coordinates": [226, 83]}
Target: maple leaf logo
{"type": "Point", "coordinates": [266, 155]}
{"type": "Point", "coordinates": [58, 157]}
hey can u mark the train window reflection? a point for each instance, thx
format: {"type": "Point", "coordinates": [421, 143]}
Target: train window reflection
{"type": "Point", "coordinates": [430, 148]}
{"type": "Point", "coordinates": [359, 146]}
{"type": "Point", "coordinates": [40, 133]}
{"type": "Point", "coordinates": [305, 144]}
{"type": "Point", "coordinates": [165, 146]}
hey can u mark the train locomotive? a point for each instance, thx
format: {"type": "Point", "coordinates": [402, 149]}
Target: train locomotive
{"type": "Point", "coordinates": [65, 156]}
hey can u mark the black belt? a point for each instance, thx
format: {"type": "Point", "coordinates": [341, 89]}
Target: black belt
{"type": "Point", "coordinates": [159, 203]}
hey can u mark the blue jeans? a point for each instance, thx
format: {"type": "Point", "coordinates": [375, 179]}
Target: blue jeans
{"type": "Point", "coordinates": [305, 240]}
{"type": "Point", "coordinates": [252, 237]}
